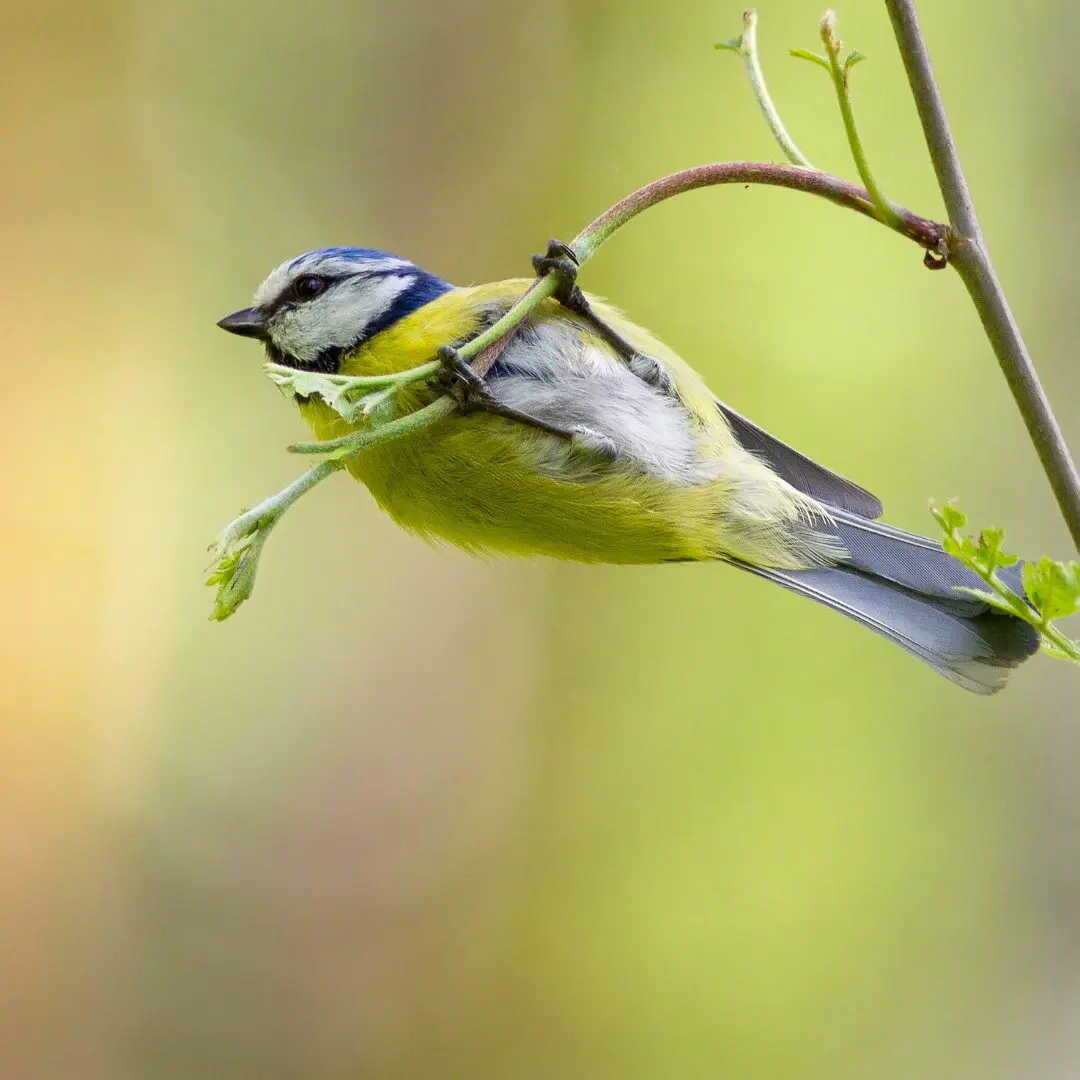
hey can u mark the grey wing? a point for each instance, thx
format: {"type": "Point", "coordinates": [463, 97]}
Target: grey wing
{"type": "Point", "coordinates": [550, 371]}
{"type": "Point", "coordinates": [799, 471]}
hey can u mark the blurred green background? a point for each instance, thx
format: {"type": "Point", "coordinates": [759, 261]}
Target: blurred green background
{"type": "Point", "coordinates": [412, 815]}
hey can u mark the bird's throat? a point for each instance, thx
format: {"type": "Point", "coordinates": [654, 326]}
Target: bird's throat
{"type": "Point", "coordinates": [328, 362]}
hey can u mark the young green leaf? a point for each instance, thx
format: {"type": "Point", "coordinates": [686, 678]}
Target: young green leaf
{"type": "Point", "coordinates": [949, 517]}
{"type": "Point", "coordinates": [1053, 587]}
{"type": "Point", "coordinates": [813, 57]}
{"type": "Point", "coordinates": [988, 550]}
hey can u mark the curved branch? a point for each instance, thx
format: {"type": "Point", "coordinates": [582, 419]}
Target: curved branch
{"type": "Point", "coordinates": [931, 235]}
{"type": "Point", "coordinates": [482, 352]}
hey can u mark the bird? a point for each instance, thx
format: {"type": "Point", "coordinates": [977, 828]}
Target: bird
{"type": "Point", "coordinates": [591, 440]}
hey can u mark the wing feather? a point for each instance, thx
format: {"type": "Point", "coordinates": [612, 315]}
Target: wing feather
{"type": "Point", "coordinates": [799, 471]}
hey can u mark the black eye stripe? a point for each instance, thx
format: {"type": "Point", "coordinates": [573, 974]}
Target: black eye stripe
{"type": "Point", "coordinates": [289, 297]}
{"type": "Point", "coordinates": [418, 288]}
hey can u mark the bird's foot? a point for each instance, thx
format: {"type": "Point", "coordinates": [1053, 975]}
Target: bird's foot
{"type": "Point", "coordinates": [561, 261]}
{"type": "Point", "coordinates": [472, 394]}
{"type": "Point", "coordinates": [459, 380]}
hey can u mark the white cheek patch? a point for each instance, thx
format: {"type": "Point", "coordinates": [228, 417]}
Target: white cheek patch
{"type": "Point", "coordinates": [338, 318]}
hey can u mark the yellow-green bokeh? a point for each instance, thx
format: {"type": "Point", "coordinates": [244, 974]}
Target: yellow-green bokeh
{"type": "Point", "coordinates": [412, 815]}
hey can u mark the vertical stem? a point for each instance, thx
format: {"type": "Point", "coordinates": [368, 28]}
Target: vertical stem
{"type": "Point", "coordinates": [749, 52]}
{"type": "Point", "coordinates": [969, 255]}
{"type": "Point", "coordinates": [935, 122]}
{"type": "Point", "coordinates": [972, 263]}
{"type": "Point", "coordinates": [838, 69]}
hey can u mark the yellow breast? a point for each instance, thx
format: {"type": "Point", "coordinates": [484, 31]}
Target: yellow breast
{"type": "Point", "coordinates": [474, 480]}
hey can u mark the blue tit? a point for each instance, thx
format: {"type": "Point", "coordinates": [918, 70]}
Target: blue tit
{"type": "Point", "coordinates": [601, 445]}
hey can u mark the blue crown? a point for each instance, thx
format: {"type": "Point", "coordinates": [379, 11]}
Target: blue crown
{"type": "Point", "coordinates": [356, 255]}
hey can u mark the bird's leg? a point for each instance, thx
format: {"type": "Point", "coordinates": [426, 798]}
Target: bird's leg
{"type": "Point", "coordinates": [471, 393]}
{"type": "Point", "coordinates": [560, 261]}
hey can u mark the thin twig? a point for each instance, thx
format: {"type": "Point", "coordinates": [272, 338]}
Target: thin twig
{"type": "Point", "coordinates": [482, 352]}
{"type": "Point", "coordinates": [969, 255]}
{"type": "Point", "coordinates": [840, 70]}
{"type": "Point", "coordinates": [237, 549]}
{"type": "Point", "coordinates": [746, 47]}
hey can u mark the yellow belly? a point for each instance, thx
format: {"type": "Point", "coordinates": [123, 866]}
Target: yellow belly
{"type": "Point", "coordinates": [474, 481]}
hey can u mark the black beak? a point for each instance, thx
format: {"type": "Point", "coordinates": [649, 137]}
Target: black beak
{"type": "Point", "coordinates": [251, 322]}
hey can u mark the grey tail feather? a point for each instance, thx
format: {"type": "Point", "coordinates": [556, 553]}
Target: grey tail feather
{"type": "Point", "coordinates": [913, 561]}
{"type": "Point", "coordinates": [903, 587]}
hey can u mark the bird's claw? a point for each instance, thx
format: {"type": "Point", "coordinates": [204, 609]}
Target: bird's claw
{"type": "Point", "coordinates": [561, 261]}
{"type": "Point", "coordinates": [461, 382]}
{"type": "Point", "coordinates": [471, 393]}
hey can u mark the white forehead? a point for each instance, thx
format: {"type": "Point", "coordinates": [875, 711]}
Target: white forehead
{"type": "Point", "coordinates": [324, 263]}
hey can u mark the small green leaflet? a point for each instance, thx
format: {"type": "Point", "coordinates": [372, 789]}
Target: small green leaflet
{"type": "Point", "coordinates": [813, 57]}
{"type": "Point", "coordinates": [1052, 588]}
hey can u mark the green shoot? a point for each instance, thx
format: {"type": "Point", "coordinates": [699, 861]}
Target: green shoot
{"type": "Point", "coordinates": [746, 46]}
{"type": "Point", "coordinates": [1052, 588]}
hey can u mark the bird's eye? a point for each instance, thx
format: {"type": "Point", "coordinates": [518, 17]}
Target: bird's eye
{"type": "Point", "coordinates": [308, 287]}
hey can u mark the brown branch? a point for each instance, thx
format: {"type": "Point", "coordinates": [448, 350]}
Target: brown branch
{"type": "Point", "coordinates": [931, 235]}
{"type": "Point", "coordinates": [928, 234]}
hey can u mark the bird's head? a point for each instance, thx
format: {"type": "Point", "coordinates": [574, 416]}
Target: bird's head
{"type": "Point", "coordinates": [315, 307]}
